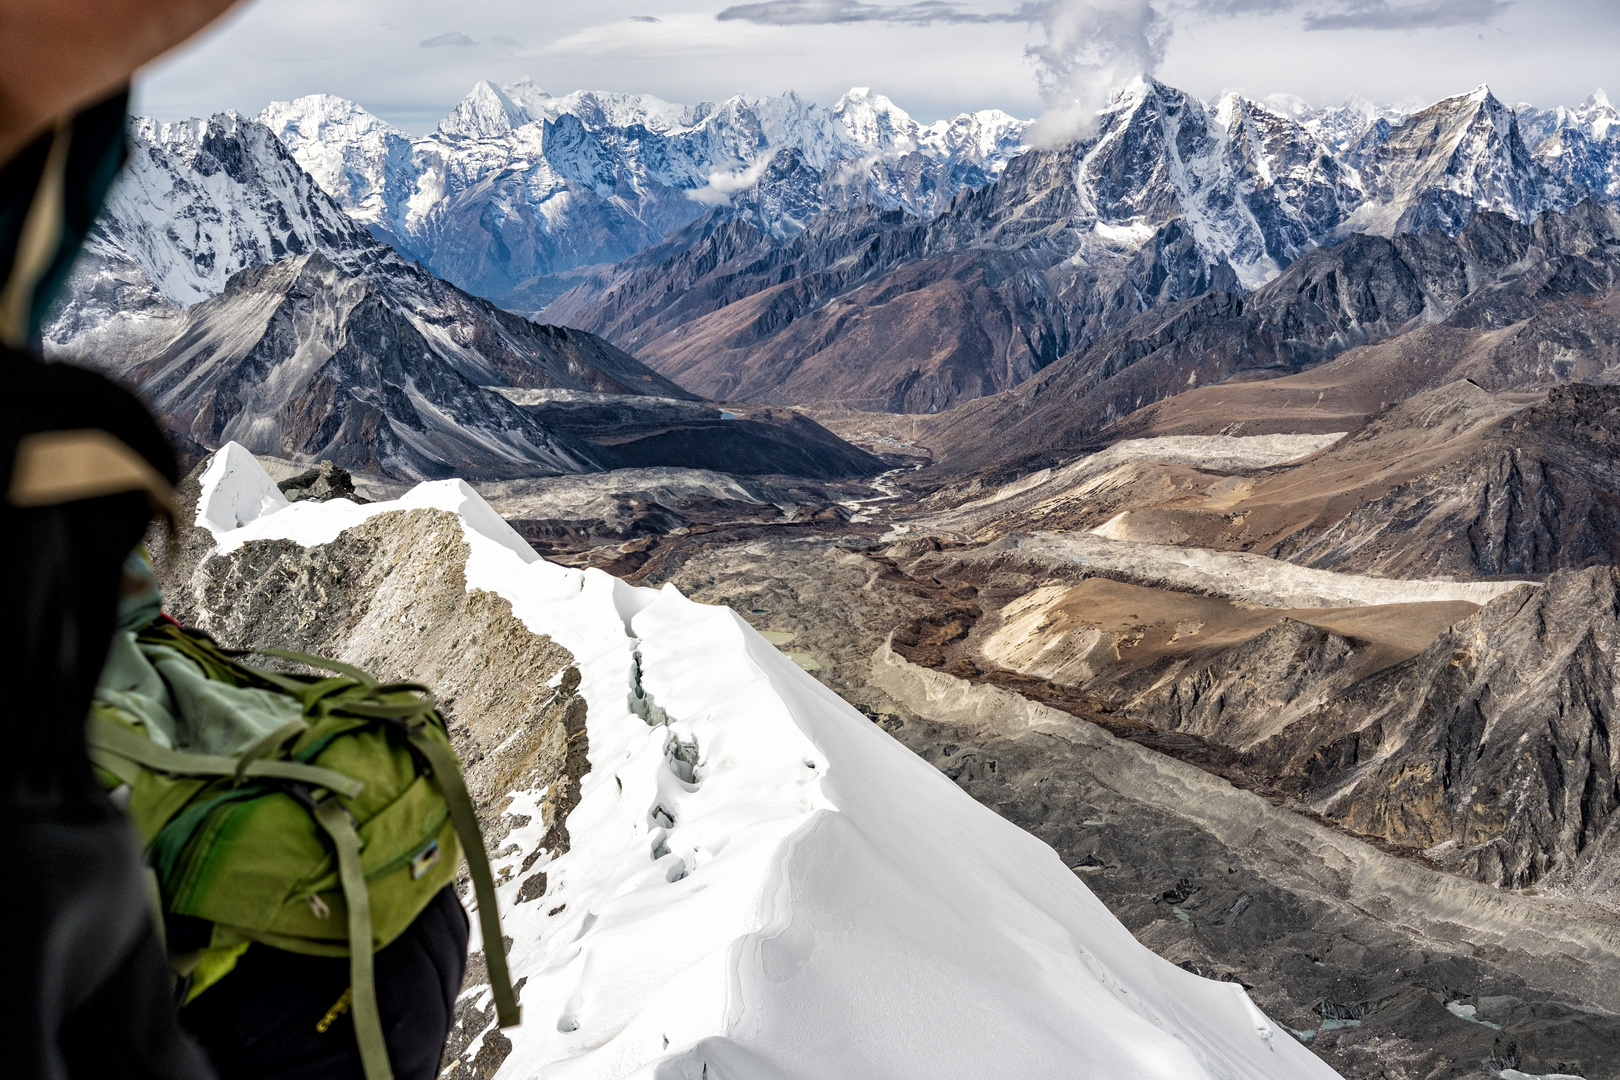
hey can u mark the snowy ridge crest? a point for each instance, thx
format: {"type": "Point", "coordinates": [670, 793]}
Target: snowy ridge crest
{"type": "Point", "coordinates": [760, 880]}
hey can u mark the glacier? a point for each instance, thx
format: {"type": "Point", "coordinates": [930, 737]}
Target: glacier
{"type": "Point", "coordinates": [764, 884]}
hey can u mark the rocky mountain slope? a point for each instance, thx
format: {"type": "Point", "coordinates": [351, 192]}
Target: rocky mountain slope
{"type": "Point", "coordinates": [397, 374]}
{"type": "Point", "coordinates": [1490, 750]}
{"type": "Point", "coordinates": [344, 350]}
{"type": "Point", "coordinates": [1453, 481]}
{"type": "Point", "coordinates": [1510, 306]}
{"type": "Point", "coordinates": [306, 362]}
{"type": "Point", "coordinates": [517, 188]}
{"type": "Point", "coordinates": [1170, 200]}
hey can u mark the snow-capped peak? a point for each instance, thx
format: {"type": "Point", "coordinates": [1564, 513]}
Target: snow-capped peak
{"type": "Point", "coordinates": [323, 116]}
{"type": "Point", "coordinates": [874, 121]}
{"type": "Point", "coordinates": [202, 199]}
{"type": "Point", "coordinates": [486, 112]}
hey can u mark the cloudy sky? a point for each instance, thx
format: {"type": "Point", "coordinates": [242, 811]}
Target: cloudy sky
{"type": "Point", "coordinates": [409, 61]}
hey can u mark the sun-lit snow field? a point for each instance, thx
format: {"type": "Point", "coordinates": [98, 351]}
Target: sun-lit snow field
{"type": "Point", "coordinates": [764, 885]}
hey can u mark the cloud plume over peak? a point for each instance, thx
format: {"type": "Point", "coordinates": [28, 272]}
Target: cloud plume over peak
{"type": "Point", "coordinates": [1092, 47]}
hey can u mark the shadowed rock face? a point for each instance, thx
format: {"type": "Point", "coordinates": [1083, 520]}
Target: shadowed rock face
{"type": "Point", "coordinates": [875, 310]}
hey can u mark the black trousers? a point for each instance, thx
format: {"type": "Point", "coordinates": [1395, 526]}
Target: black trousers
{"type": "Point", "coordinates": [86, 994]}
{"type": "Point", "coordinates": [259, 1022]}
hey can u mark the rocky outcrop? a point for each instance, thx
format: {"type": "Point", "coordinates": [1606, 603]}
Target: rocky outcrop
{"type": "Point", "coordinates": [325, 481]}
{"type": "Point", "coordinates": [1535, 492]}
{"type": "Point", "coordinates": [1492, 749]}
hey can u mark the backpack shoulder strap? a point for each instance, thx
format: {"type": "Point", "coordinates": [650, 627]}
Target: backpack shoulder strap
{"type": "Point", "coordinates": [465, 820]}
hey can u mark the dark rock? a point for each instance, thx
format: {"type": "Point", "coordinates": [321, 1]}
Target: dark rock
{"type": "Point", "coordinates": [325, 481]}
{"type": "Point", "coordinates": [533, 887]}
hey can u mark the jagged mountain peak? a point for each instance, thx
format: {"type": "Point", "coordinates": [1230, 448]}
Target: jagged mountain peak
{"type": "Point", "coordinates": [634, 168]}
{"type": "Point", "coordinates": [485, 112]}
{"type": "Point", "coordinates": [875, 121]}
{"type": "Point", "coordinates": [1446, 162]}
{"type": "Point", "coordinates": [317, 113]}
{"type": "Point", "coordinates": [203, 199]}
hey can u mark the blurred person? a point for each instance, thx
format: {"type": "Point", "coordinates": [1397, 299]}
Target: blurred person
{"type": "Point", "coordinates": [90, 990]}
{"type": "Point", "coordinates": [85, 469]}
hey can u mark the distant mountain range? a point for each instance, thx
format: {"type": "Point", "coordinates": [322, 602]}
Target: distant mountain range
{"type": "Point", "coordinates": [516, 188]}
{"type": "Point", "coordinates": [776, 251]}
{"type": "Point", "coordinates": [1169, 200]}
{"type": "Point", "coordinates": [247, 305]}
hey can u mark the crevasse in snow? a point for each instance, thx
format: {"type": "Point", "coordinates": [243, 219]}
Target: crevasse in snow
{"type": "Point", "coordinates": [763, 884]}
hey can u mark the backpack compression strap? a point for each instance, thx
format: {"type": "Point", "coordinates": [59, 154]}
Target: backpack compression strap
{"type": "Point", "coordinates": [339, 825]}
{"type": "Point", "coordinates": [507, 1011]}
{"type": "Point", "coordinates": [448, 774]}
{"type": "Point", "coordinates": [109, 743]}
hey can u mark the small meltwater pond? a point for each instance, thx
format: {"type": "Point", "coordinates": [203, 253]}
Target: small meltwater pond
{"type": "Point", "coordinates": [782, 637]}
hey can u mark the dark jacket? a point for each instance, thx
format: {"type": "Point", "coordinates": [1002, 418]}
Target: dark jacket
{"type": "Point", "coordinates": [84, 466]}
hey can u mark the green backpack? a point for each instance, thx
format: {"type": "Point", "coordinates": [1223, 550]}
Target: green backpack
{"type": "Point", "coordinates": [317, 814]}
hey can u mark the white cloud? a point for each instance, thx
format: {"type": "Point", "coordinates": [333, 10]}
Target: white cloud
{"type": "Point", "coordinates": [722, 185]}
{"type": "Point", "coordinates": [1552, 52]}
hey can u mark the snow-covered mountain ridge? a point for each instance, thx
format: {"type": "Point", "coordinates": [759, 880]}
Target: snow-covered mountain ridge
{"type": "Point", "coordinates": [517, 188]}
{"type": "Point", "coordinates": [516, 185]}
